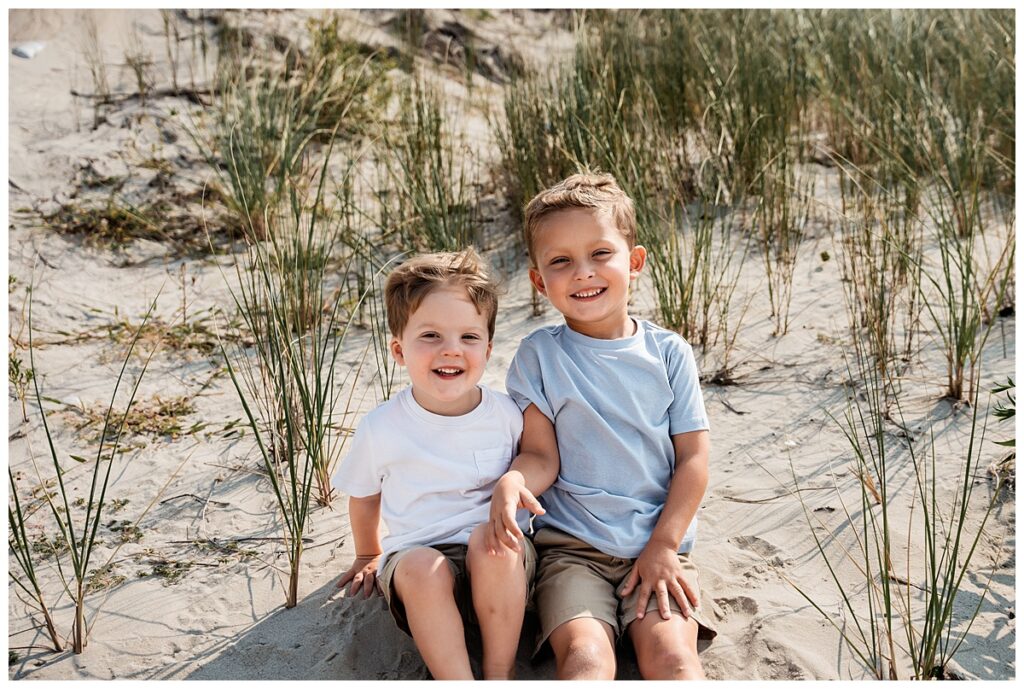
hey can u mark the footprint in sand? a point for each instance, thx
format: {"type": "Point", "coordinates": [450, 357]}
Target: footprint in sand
{"type": "Point", "coordinates": [737, 604]}
{"type": "Point", "coordinates": [764, 551]}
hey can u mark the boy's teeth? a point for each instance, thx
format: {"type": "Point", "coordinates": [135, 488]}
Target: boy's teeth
{"type": "Point", "coordinates": [589, 293]}
{"type": "Point", "coordinates": [449, 371]}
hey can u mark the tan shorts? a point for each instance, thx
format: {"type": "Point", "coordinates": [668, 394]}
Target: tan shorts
{"type": "Point", "coordinates": [455, 555]}
{"type": "Point", "coordinates": [575, 580]}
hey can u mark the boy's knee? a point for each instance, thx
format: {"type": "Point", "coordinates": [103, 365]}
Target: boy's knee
{"type": "Point", "coordinates": [423, 568]}
{"type": "Point", "coordinates": [677, 662]}
{"type": "Point", "coordinates": [584, 656]}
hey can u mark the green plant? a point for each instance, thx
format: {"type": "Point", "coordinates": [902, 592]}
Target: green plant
{"type": "Point", "coordinates": [139, 61]}
{"type": "Point", "coordinates": [780, 221]}
{"type": "Point", "coordinates": [94, 58]}
{"type": "Point", "coordinates": [1006, 410]}
{"type": "Point", "coordinates": [80, 537]}
{"type": "Point", "coordinates": [172, 38]}
{"type": "Point", "coordinates": [20, 376]}
{"type": "Point", "coordinates": [430, 174]}
{"type": "Point", "coordinates": [291, 391]}
{"type": "Point", "coordinates": [881, 250]}
{"type": "Point", "coordinates": [22, 551]}
{"type": "Point", "coordinates": [269, 115]}
{"type": "Point", "coordinates": [893, 624]}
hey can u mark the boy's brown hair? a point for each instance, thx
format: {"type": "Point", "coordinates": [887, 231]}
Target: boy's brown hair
{"type": "Point", "coordinates": [585, 190]}
{"type": "Point", "coordinates": [410, 282]}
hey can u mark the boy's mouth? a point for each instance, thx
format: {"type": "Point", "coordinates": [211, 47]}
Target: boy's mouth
{"type": "Point", "coordinates": [588, 293]}
{"type": "Point", "coordinates": [448, 372]}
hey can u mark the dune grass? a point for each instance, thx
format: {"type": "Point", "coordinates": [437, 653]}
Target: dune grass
{"type": "Point", "coordinates": [79, 537]}
{"type": "Point", "coordinates": [292, 386]}
{"type": "Point", "coordinates": [430, 173]}
{"type": "Point", "coordinates": [270, 113]}
{"type": "Point", "coordinates": [899, 621]}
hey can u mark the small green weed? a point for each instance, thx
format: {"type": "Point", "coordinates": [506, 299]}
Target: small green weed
{"type": "Point", "coordinates": [126, 531]}
{"type": "Point", "coordinates": [154, 417]}
{"type": "Point", "coordinates": [104, 578]}
{"type": "Point", "coordinates": [170, 572]}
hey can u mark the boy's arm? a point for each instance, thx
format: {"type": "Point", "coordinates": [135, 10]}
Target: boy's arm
{"type": "Point", "coordinates": [364, 516]}
{"type": "Point", "coordinates": [533, 470]}
{"type": "Point", "coordinates": [657, 570]}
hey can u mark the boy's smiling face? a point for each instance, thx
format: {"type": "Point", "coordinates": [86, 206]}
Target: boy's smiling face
{"type": "Point", "coordinates": [445, 347]}
{"type": "Point", "coordinates": [584, 268]}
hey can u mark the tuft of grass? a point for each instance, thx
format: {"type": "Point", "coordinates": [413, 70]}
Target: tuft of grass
{"type": "Point", "coordinates": [19, 376]}
{"type": "Point", "coordinates": [171, 572]}
{"type": "Point", "coordinates": [96, 61]}
{"type": "Point", "coordinates": [22, 550]}
{"type": "Point", "coordinates": [292, 384]}
{"type": "Point", "coordinates": [430, 172]}
{"type": "Point", "coordinates": [114, 223]}
{"type": "Point", "coordinates": [155, 417]}
{"type": "Point", "coordinates": [900, 620]}
{"type": "Point", "coordinates": [80, 534]}
{"type": "Point", "coordinates": [270, 115]}
{"type": "Point", "coordinates": [139, 61]}
{"type": "Point", "coordinates": [103, 578]}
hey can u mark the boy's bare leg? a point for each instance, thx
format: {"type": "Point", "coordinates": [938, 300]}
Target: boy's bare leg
{"type": "Point", "coordinates": [499, 598]}
{"type": "Point", "coordinates": [584, 649]}
{"type": "Point", "coordinates": [425, 585]}
{"type": "Point", "coordinates": [666, 649]}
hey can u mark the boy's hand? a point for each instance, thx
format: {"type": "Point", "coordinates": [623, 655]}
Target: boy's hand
{"type": "Point", "coordinates": [657, 571]}
{"type": "Point", "coordinates": [510, 494]}
{"type": "Point", "coordinates": [362, 574]}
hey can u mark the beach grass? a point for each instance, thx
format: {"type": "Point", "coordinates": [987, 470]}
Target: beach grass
{"type": "Point", "coordinates": [79, 537]}
{"type": "Point", "coordinates": [900, 620]}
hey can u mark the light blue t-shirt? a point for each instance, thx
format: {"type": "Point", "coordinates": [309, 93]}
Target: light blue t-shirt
{"type": "Point", "coordinates": [615, 405]}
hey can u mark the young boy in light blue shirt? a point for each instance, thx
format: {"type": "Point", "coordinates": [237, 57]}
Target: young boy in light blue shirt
{"type": "Point", "coordinates": [615, 443]}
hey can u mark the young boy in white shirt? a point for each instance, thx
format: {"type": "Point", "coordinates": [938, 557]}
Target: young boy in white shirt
{"type": "Point", "coordinates": [616, 438]}
{"type": "Point", "coordinates": [426, 462]}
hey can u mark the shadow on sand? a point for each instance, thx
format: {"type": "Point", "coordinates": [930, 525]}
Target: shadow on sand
{"type": "Point", "coordinates": [353, 639]}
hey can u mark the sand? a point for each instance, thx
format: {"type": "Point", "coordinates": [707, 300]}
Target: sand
{"type": "Point", "coordinates": [214, 607]}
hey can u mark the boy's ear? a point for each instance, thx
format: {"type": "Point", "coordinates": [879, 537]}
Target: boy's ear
{"type": "Point", "coordinates": [637, 260]}
{"type": "Point", "coordinates": [396, 351]}
{"type": "Point", "coordinates": [490, 346]}
{"type": "Point", "coordinates": [537, 280]}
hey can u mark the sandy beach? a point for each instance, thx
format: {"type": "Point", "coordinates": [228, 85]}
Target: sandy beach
{"type": "Point", "coordinates": [194, 575]}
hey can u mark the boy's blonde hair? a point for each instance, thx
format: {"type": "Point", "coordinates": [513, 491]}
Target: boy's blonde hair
{"type": "Point", "coordinates": [585, 190]}
{"type": "Point", "coordinates": [410, 282]}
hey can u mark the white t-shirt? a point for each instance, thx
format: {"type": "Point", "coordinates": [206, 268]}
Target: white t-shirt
{"type": "Point", "coordinates": [435, 474]}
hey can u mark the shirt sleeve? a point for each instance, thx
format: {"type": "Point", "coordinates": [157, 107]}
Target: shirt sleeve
{"type": "Point", "coordinates": [524, 381]}
{"type": "Point", "coordinates": [357, 474]}
{"type": "Point", "coordinates": [687, 412]}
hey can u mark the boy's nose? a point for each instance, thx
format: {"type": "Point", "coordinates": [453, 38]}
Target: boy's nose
{"type": "Point", "coordinates": [584, 271]}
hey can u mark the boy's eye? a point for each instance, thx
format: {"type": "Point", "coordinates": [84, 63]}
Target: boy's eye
{"type": "Point", "coordinates": [428, 336]}
{"type": "Point", "coordinates": [560, 259]}
{"type": "Point", "coordinates": [470, 336]}
{"type": "Point", "coordinates": [602, 252]}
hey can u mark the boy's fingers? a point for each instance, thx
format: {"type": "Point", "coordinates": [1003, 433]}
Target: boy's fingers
{"type": "Point", "coordinates": [368, 585]}
{"type": "Point", "coordinates": [491, 538]}
{"type": "Point", "coordinates": [663, 606]}
{"type": "Point", "coordinates": [512, 529]}
{"type": "Point", "coordinates": [629, 584]}
{"type": "Point", "coordinates": [690, 594]}
{"type": "Point", "coordinates": [527, 500]}
{"type": "Point", "coordinates": [355, 585]}
{"type": "Point", "coordinates": [681, 598]}
{"type": "Point", "coordinates": [641, 603]}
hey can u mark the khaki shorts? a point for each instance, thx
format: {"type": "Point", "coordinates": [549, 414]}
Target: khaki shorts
{"type": "Point", "coordinates": [575, 580]}
{"type": "Point", "coordinates": [455, 555]}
